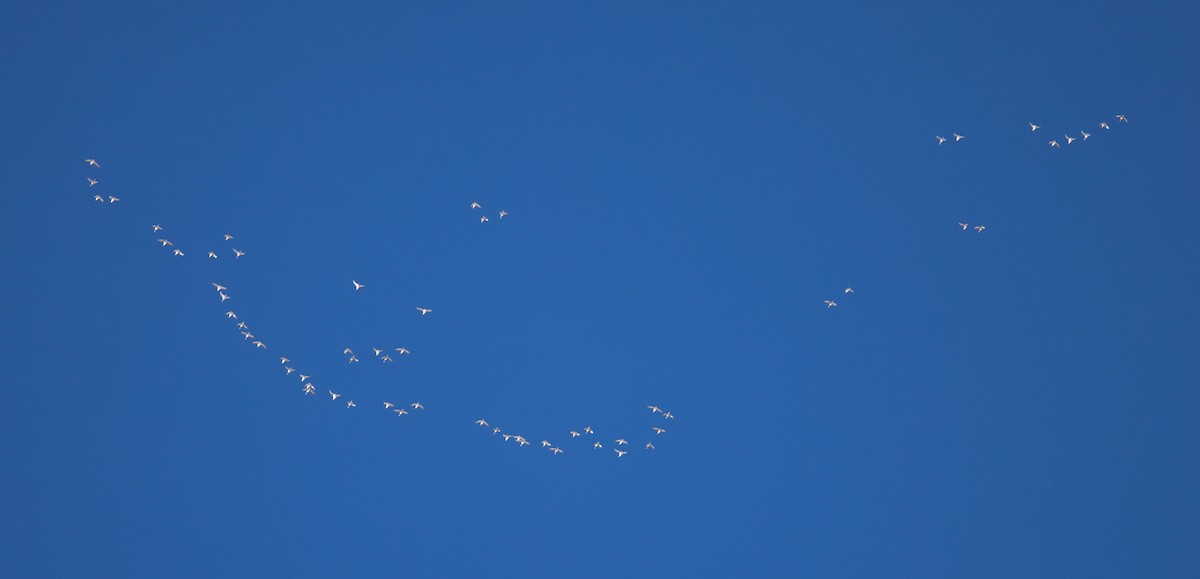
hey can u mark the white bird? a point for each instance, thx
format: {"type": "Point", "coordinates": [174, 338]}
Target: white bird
{"type": "Point", "coordinates": [164, 242]}
{"type": "Point", "coordinates": [112, 199]}
{"type": "Point", "coordinates": [979, 228]}
{"type": "Point", "coordinates": [654, 409]}
{"type": "Point", "coordinates": [228, 237]}
{"type": "Point", "coordinates": [1085, 135]}
{"type": "Point", "coordinates": [351, 404]}
{"type": "Point", "coordinates": [353, 359]}
{"type": "Point", "coordinates": [282, 359]}
{"type": "Point", "coordinates": [231, 315]}
{"type": "Point", "coordinates": [495, 431]}
{"type": "Point", "coordinates": [658, 430]}
{"type": "Point", "coordinates": [403, 351]}
{"type": "Point", "coordinates": [621, 441]}
{"type": "Point", "coordinates": [481, 422]}
{"type": "Point", "coordinates": [303, 378]}
{"type": "Point", "coordinates": [377, 351]}
{"type": "Point", "coordinates": [669, 416]}
{"type": "Point", "coordinates": [1055, 144]}
{"type": "Point", "coordinates": [386, 359]}
{"type": "Point", "coordinates": [1103, 125]}
{"type": "Point", "coordinates": [424, 310]}
{"type": "Point", "coordinates": [223, 296]}
{"type": "Point", "coordinates": [574, 434]}
{"type": "Point", "coordinates": [597, 445]}
{"type": "Point", "coordinates": [1033, 127]}
{"type": "Point", "coordinates": [91, 182]}
{"type": "Point", "coordinates": [621, 453]}
{"type": "Point", "coordinates": [556, 450]}
{"type": "Point", "coordinates": [334, 395]}
{"type": "Point", "coordinates": [649, 446]}
{"type": "Point", "coordinates": [347, 351]}
{"type": "Point", "coordinates": [475, 205]}
{"type": "Point", "coordinates": [219, 287]}
{"type": "Point", "coordinates": [237, 253]}
{"type": "Point", "coordinates": [309, 390]}
{"type": "Point", "coordinates": [247, 335]}
{"type": "Point", "coordinates": [212, 255]}
{"type": "Point", "coordinates": [417, 406]}
{"type": "Point", "coordinates": [1069, 138]}
{"type": "Point", "coordinates": [957, 137]}
{"type": "Point", "coordinates": [940, 139]}
{"type": "Point", "coordinates": [387, 405]}
{"type": "Point", "coordinates": [178, 252]}
{"type": "Point", "coordinates": [289, 370]}
{"type": "Point", "coordinates": [848, 290]}
{"type": "Point", "coordinates": [545, 443]}
{"type": "Point", "coordinates": [259, 344]}
{"type": "Point", "coordinates": [507, 437]}
{"type": "Point", "coordinates": [483, 219]}
{"type": "Point", "coordinates": [156, 227]}
{"type": "Point", "coordinates": [357, 286]}
{"type": "Point", "coordinates": [92, 162]}
{"type": "Point", "coordinates": [243, 326]}
{"type": "Point", "coordinates": [400, 411]}
{"type": "Point", "coordinates": [830, 303]}
{"type": "Point", "coordinates": [503, 213]}
{"type": "Point", "coordinates": [588, 429]}
{"type": "Point", "coordinates": [1122, 118]}
{"type": "Point", "coordinates": [99, 198]}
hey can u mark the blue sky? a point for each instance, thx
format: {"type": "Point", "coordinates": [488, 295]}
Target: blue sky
{"type": "Point", "coordinates": [686, 183]}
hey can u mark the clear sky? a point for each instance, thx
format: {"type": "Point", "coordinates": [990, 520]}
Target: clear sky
{"type": "Point", "coordinates": [686, 183]}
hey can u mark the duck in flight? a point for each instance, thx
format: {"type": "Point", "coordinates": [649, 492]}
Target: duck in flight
{"type": "Point", "coordinates": [979, 228]}
{"type": "Point", "coordinates": [92, 162]}
{"type": "Point", "coordinates": [1055, 144]}
{"type": "Point", "coordinates": [1033, 127]}
{"type": "Point", "coordinates": [212, 255]}
{"type": "Point", "coordinates": [237, 253]}
{"type": "Point", "coordinates": [417, 406]}
{"type": "Point", "coordinates": [658, 430]}
{"type": "Point", "coordinates": [481, 422]}
{"type": "Point", "coordinates": [156, 227]}
{"type": "Point", "coordinates": [621, 453]}
{"type": "Point", "coordinates": [1085, 135]}
{"type": "Point", "coordinates": [333, 395]}
{"type": "Point", "coordinates": [357, 286]}
{"type": "Point", "coordinates": [1122, 119]}
{"type": "Point", "coordinates": [957, 137]}
{"type": "Point", "coordinates": [92, 182]}
{"type": "Point", "coordinates": [178, 252]}
{"type": "Point", "coordinates": [830, 303]}
{"type": "Point", "coordinates": [1069, 139]}
{"type": "Point", "coordinates": [475, 205]}
{"type": "Point", "coordinates": [940, 139]}
{"type": "Point", "coordinates": [424, 310]}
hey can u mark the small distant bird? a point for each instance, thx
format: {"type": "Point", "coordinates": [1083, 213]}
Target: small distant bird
{"type": "Point", "coordinates": [621, 453]}
{"type": "Point", "coordinates": [156, 227]}
{"type": "Point", "coordinates": [1069, 139]}
{"type": "Point", "coordinates": [588, 429]}
{"type": "Point", "coordinates": [658, 430]}
{"type": "Point", "coordinates": [357, 286]}
{"type": "Point", "coordinates": [830, 303]}
{"type": "Point", "coordinates": [92, 162]}
{"type": "Point", "coordinates": [621, 441]}
{"type": "Point", "coordinates": [475, 205]}
{"type": "Point", "coordinates": [556, 450]}
{"type": "Point", "coordinates": [219, 287]}
{"type": "Point", "coordinates": [979, 228]}
{"type": "Point", "coordinates": [303, 378]}
{"type": "Point", "coordinates": [289, 370]}
{"type": "Point", "coordinates": [403, 351]}
{"type": "Point", "coordinates": [417, 406]}
{"type": "Point", "coordinates": [424, 310]}
{"type": "Point", "coordinates": [243, 326]}
{"type": "Point", "coordinates": [247, 335]}
{"type": "Point", "coordinates": [545, 443]}
{"type": "Point", "coordinates": [377, 351]}
{"type": "Point", "coordinates": [334, 395]}
{"type": "Point", "coordinates": [212, 255]}
{"type": "Point", "coordinates": [649, 446]}
{"type": "Point", "coordinates": [258, 344]}
{"type": "Point", "coordinates": [164, 242]}
{"type": "Point", "coordinates": [99, 198]}
{"type": "Point", "coordinates": [178, 252]}
{"type": "Point", "coordinates": [283, 360]}
{"type": "Point", "coordinates": [309, 390]}
{"type": "Point", "coordinates": [1103, 125]}
{"type": "Point", "coordinates": [353, 359]}
{"type": "Point", "coordinates": [848, 290]}
{"type": "Point", "coordinates": [228, 237]}
{"type": "Point", "coordinates": [223, 297]}
{"type": "Point", "coordinates": [957, 137]}
{"type": "Point", "coordinates": [483, 219]}
{"type": "Point", "coordinates": [231, 315]}
{"type": "Point", "coordinates": [347, 351]}
{"type": "Point", "coordinates": [387, 405]}
{"type": "Point", "coordinates": [669, 416]}
{"type": "Point", "coordinates": [495, 431]}
{"type": "Point", "coordinates": [351, 404]}
{"type": "Point", "coordinates": [400, 411]}
{"type": "Point", "coordinates": [1085, 135]}
{"type": "Point", "coordinates": [1122, 118]}
{"type": "Point", "coordinates": [574, 434]}
{"type": "Point", "coordinates": [654, 409]}
{"type": "Point", "coordinates": [597, 445]}
{"type": "Point", "coordinates": [386, 359]}
{"type": "Point", "coordinates": [237, 253]}
{"type": "Point", "coordinates": [481, 422]}
{"type": "Point", "coordinates": [507, 437]}
{"type": "Point", "coordinates": [1033, 127]}
{"type": "Point", "coordinates": [940, 139]}
{"type": "Point", "coordinates": [91, 182]}
{"type": "Point", "coordinates": [1055, 144]}
{"type": "Point", "coordinates": [112, 199]}
{"type": "Point", "coordinates": [503, 213]}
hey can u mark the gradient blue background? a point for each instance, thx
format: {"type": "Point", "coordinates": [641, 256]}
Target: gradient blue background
{"type": "Point", "coordinates": [686, 182]}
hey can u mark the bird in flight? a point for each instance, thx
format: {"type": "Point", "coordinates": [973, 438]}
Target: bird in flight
{"type": "Point", "coordinates": [417, 406]}
{"type": "Point", "coordinates": [483, 219]}
{"type": "Point", "coordinates": [400, 411]}
{"type": "Point", "coordinates": [621, 441]}
{"type": "Point", "coordinates": [283, 360]}
{"type": "Point", "coordinates": [223, 296]}
{"type": "Point", "coordinates": [112, 199]}
{"type": "Point", "coordinates": [357, 286]}
{"type": "Point", "coordinates": [574, 434]}
{"type": "Point", "coordinates": [621, 453]}
{"type": "Point", "coordinates": [830, 303]}
{"type": "Point", "coordinates": [654, 409]}
{"type": "Point", "coordinates": [507, 437]}
{"type": "Point", "coordinates": [387, 405]}
{"type": "Point", "coordinates": [481, 422]}
{"type": "Point", "coordinates": [1103, 125]}
{"type": "Point", "coordinates": [1033, 127]}
{"type": "Point", "coordinates": [92, 162]}
{"type": "Point", "coordinates": [212, 255]}
{"type": "Point", "coordinates": [940, 139]}
{"type": "Point", "coordinates": [309, 390]}
{"type": "Point", "coordinates": [259, 344]}
{"type": "Point", "coordinates": [545, 443]}
{"type": "Point", "coordinates": [353, 359]}
{"type": "Point", "coordinates": [247, 335]}
{"type": "Point", "coordinates": [495, 431]}
{"type": "Point", "coordinates": [231, 315]}
{"type": "Point", "coordinates": [669, 416]}
{"type": "Point", "coordinates": [387, 359]}
{"type": "Point", "coordinates": [957, 137]}
{"type": "Point", "coordinates": [164, 242]}
{"type": "Point", "coordinates": [1069, 139]}
{"type": "Point", "coordinates": [403, 351]}
{"type": "Point", "coordinates": [334, 395]}
{"type": "Point", "coordinates": [347, 351]}
{"type": "Point", "coordinates": [588, 429]}
{"type": "Point", "coordinates": [555, 450]}
{"type": "Point", "coordinates": [979, 228]}
{"type": "Point", "coordinates": [228, 237]}
{"type": "Point", "coordinates": [475, 205]}
{"type": "Point", "coordinates": [1085, 135]}
{"type": "Point", "coordinates": [503, 213]}
{"type": "Point", "coordinates": [848, 290]}
{"type": "Point", "coordinates": [289, 370]}
{"type": "Point", "coordinates": [219, 287]}
{"type": "Point", "coordinates": [237, 253]}
{"type": "Point", "coordinates": [377, 351]}
{"type": "Point", "coordinates": [962, 225]}
{"type": "Point", "coordinates": [303, 378]}
{"type": "Point", "coordinates": [658, 430]}
{"type": "Point", "coordinates": [351, 404]}
{"type": "Point", "coordinates": [424, 310]}
{"type": "Point", "coordinates": [1055, 144]}
{"type": "Point", "coordinates": [178, 252]}
{"type": "Point", "coordinates": [1122, 118]}
{"type": "Point", "coordinates": [99, 198]}
{"type": "Point", "coordinates": [649, 446]}
{"type": "Point", "coordinates": [156, 227]}
{"type": "Point", "coordinates": [91, 182]}
{"type": "Point", "coordinates": [597, 445]}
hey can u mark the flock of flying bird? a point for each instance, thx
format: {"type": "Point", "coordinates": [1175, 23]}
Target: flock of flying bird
{"type": "Point", "coordinates": [309, 389]}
